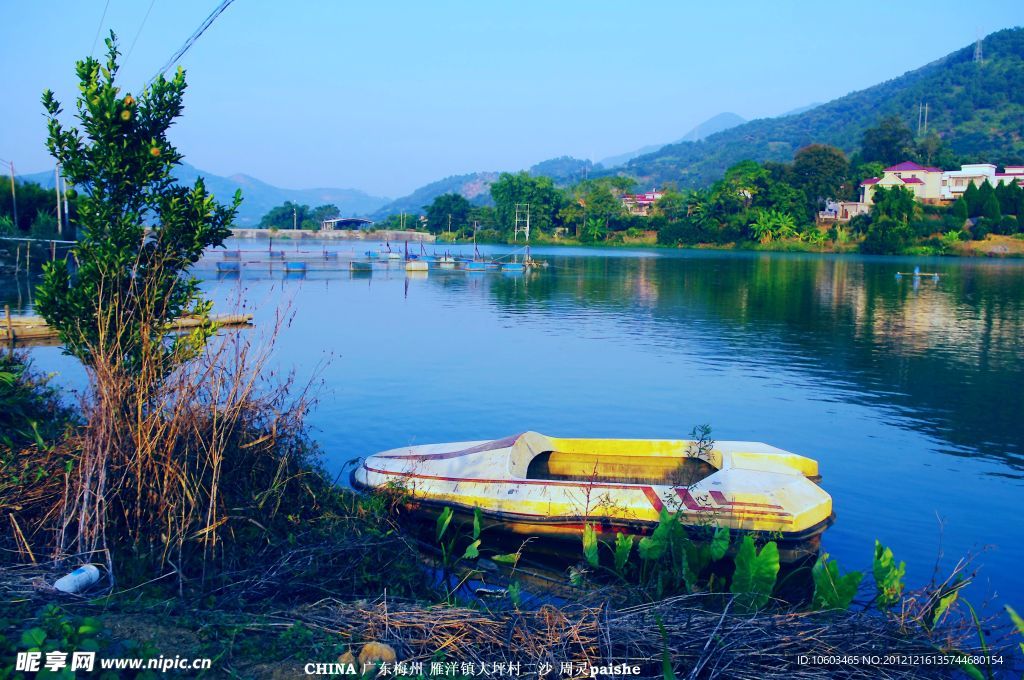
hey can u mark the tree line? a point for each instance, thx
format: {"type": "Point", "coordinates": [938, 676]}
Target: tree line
{"type": "Point", "coordinates": [36, 211]}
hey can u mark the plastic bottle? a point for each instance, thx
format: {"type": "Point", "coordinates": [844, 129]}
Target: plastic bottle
{"type": "Point", "coordinates": [78, 580]}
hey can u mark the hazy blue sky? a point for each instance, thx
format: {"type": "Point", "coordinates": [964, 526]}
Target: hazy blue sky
{"type": "Point", "coordinates": [386, 96]}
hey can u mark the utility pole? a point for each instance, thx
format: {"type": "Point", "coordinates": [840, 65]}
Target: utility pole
{"type": "Point", "coordinates": [449, 223]}
{"type": "Point", "coordinates": [295, 219]}
{"type": "Point", "coordinates": [926, 117]}
{"type": "Point", "coordinates": [67, 212]}
{"type": "Point", "coordinates": [14, 197]}
{"type": "Point", "coordinates": [56, 188]}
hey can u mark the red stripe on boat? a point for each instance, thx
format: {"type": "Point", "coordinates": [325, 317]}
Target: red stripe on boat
{"type": "Point", "coordinates": [688, 499]}
{"type": "Point", "coordinates": [690, 503]}
{"type": "Point", "coordinates": [654, 498]}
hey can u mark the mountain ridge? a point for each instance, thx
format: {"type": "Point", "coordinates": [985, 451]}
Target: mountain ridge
{"type": "Point", "coordinates": [258, 197]}
{"type": "Point", "coordinates": [977, 108]}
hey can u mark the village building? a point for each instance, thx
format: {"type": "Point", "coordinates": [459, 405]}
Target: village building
{"type": "Point", "coordinates": [928, 184]}
{"type": "Point", "coordinates": [640, 204]}
{"type": "Point", "coordinates": [954, 182]}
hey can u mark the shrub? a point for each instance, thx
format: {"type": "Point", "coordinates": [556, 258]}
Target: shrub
{"type": "Point", "coordinates": [886, 236]}
{"type": "Point", "coordinates": [981, 229]}
{"type": "Point", "coordinates": [859, 224]}
{"type": "Point", "coordinates": [1006, 226]}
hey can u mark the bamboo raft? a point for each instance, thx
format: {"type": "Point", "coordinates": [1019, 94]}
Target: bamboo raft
{"type": "Point", "coordinates": [27, 330]}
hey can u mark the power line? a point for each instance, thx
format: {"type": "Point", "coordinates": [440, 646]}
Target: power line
{"type": "Point", "coordinates": [139, 32]}
{"type": "Point", "coordinates": [195, 36]}
{"type": "Point", "coordinates": [99, 28]}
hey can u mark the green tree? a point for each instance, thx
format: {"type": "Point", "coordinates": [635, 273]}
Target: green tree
{"type": "Point", "coordinates": [960, 211]}
{"type": "Point", "coordinates": [540, 193]}
{"type": "Point", "coordinates": [595, 230]}
{"type": "Point", "coordinates": [990, 209]}
{"type": "Point", "coordinates": [776, 190]}
{"type": "Point", "coordinates": [895, 203]}
{"type": "Point", "coordinates": [141, 230]}
{"type": "Point", "coordinates": [454, 205]}
{"type": "Point", "coordinates": [889, 142]}
{"type": "Point", "coordinates": [288, 215]}
{"type": "Point", "coordinates": [44, 226]}
{"type": "Point", "coordinates": [1008, 193]}
{"type": "Point", "coordinates": [886, 236]}
{"type": "Point", "coordinates": [931, 150]}
{"type": "Point", "coordinates": [821, 171]}
{"type": "Point", "coordinates": [316, 217]}
{"type": "Point", "coordinates": [985, 192]}
{"type": "Point", "coordinates": [972, 199]}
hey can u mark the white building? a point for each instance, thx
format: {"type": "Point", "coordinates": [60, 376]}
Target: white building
{"type": "Point", "coordinates": [954, 182]}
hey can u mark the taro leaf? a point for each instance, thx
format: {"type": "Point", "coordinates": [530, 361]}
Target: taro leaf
{"type": "Point", "coordinates": [943, 605]}
{"type": "Point", "coordinates": [832, 590]}
{"type": "Point", "coordinates": [888, 576]}
{"type": "Point", "coordinates": [720, 543]}
{"type": "Point", "coordinates": [1018, 622]}
{"type": "Point", "coordinates": [623, 547]}
{"type": "Point", "coordinates": [472, 551]}
{"type": "Point", "coordinates": [443, 520]}
{"type": "Point", "coordinates": [650, 548]}
{"type": "Point", "coordinates": [476, 523]}
{"type": "Point", "coordinates": [590, 545]}
{"type": "Point", "coordinates": [510, 558]}
{"type": "Point", "coordinates": [653, 547]}
{"type": "Point", "coordinates": [33, 638]}
{"type": "Point", "coordinates": [698, 557]}
{"type": "Point", "coordinates": [755, 574]}
{"type": "Point", "coordinates": [515, 594]}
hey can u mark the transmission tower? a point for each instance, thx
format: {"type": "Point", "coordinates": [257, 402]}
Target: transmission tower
{"type": "Point", "coordinates": [521, 221]}
{"type": "Point", "coordinates": [978, 54]}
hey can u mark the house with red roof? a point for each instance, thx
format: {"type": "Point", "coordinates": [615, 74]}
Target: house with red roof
{"type": "Point", "coordinates": [641, 204]}
{"type": "Point", "coordinates": [924, 182]}
{"type": "Point", "coordinates": [935, 185]}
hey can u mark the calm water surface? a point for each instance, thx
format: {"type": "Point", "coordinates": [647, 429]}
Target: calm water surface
{"type": "Point", "coordinates": [908, 394]}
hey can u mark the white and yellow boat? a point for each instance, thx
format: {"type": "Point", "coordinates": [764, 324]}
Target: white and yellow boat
{"type": "Point", "coordinates": [534, 485]}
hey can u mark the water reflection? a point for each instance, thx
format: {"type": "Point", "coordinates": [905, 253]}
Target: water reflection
{"type": "Point", "coordinates": [908, 395]}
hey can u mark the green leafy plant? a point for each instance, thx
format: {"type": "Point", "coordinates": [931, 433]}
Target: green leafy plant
{"type": "Point", "coordinates": [833, 590]}
{"type": "Point", "coordinates": [590, 545]}
{"type": "Point", "coordinates": [942, 602]}
{"type": "Point", "coordinates": [623, 549]}
{"type": "Point", "coordinates": [452, 561]}
{"type": "Point", "coordinates": [888, 576]}
{"type": "Point", "coordinates": [755, 575]}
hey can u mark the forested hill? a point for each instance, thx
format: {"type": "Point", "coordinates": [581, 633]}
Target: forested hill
{"type": "Point", "coordinates": [976, 107]}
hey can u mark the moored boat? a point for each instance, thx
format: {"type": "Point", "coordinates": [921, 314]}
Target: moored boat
{"type": "Point", "coordinates": [534, 485]}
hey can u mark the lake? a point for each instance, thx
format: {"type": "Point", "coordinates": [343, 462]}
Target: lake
{"type": "Point", "coordinates": [907, 392]}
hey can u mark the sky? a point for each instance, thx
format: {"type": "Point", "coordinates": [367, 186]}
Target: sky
{"type": "Point", "coordinates": [387, 96]}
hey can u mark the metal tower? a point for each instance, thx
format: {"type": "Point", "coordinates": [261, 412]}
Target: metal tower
{"type": "Point", "coordinates": [522, 221]}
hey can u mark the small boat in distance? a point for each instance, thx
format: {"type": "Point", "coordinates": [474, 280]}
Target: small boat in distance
{"type": "Point", "coordinates": [534, 485]}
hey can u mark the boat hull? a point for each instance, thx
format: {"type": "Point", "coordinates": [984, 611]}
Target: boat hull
{"type": "Point", "coordinates": [532, 485]}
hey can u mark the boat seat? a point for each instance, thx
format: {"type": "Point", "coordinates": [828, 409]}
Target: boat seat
{"type": "Point", "coordinates": [624, 468]}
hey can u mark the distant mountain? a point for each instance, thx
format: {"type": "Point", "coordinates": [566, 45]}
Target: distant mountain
{"type": "Point", "coordinates": [976, 107]}
{"type": "Point", "coordinates": [258, 197]}
{"type": "Point", "coordinates": [564, 169]}
{"type": "Point", "coordinates": [717, 123]}
{"type": "Point", "coordinates": [799, 109]}
{"type": "Point", "coordinates": [475, 186]}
